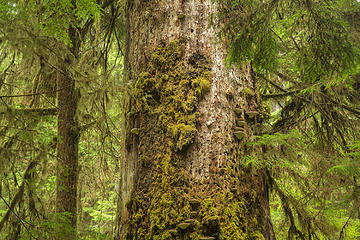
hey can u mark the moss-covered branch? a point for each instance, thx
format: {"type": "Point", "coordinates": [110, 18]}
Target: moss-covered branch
{"type": "Point", "coordinates": [35, 111]}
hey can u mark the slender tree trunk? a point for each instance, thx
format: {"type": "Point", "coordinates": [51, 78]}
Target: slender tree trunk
{"type": "Point", "coordinates": [67, 146]}
{"type": "Point", "coordinates": [186, 121]}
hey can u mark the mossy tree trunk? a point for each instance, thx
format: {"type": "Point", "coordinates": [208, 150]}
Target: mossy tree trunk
{"type": "Point", "coordinates": [67, 145]}
{"type": "Point", "coordinates": [186, 121]}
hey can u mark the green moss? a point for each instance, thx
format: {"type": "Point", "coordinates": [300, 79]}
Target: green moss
{"type": "Point", "coordinates": [204, 83]}
{"type": "Point", "coordinates": [184, 133]}
{"type": "Point", "coordinates": [170, 89]}
{"type": "Point", "coordinates": [181, 16]}
{"type": "Point", "coordinates": [164, 100]}
{"type": "Point", "coordinates": [248, 91]}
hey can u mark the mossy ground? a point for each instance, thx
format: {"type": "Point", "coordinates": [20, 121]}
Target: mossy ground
{"type": "Point", "coordinates": [163, 106]}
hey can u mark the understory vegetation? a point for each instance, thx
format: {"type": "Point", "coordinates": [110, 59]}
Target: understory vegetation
{"type": "Point", "coordinates": [305, 55]}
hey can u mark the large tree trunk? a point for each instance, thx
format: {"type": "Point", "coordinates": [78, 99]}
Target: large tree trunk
{"type": "Point", "coordinates": [181, 174]}
{"type": "Point", "coordinates": [67, 146]}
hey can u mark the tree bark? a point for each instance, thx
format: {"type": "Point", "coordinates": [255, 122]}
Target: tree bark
{"type": "Point", "coordinates": [182, 175]}
{"type": "Point", "coordinates": [67, 147]}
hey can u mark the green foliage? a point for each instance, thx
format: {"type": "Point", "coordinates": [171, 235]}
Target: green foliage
{"type": "Point", "coordinates": [313, 192]}
{"type": "Point", "coordinates": [6, 7]}
{"type": "Point", "coordinates": [58, 16]}
{"type": "Point", "coordinates": [292, 142]}
{"type": "Point", "coordinates": [349, 164]}
{"type": "Point", "coordinates": [57, 226]}
{"type": "Point", "coordinates": [45, 132]}
{"type": "Point", "coordinates": [102, 213]}
{"type": "Point", "coordinates": [54, 17]}
{"type": "Point", "coordinates": [32, 52]}
{"type": "Point", "coordinates": [311, 39]}
{"type": "Point", "coordinates": [87, 9]}
{"type": "Point", "coordinates": [314, 170]}
{"type": "Point", "coordinates": [305, 54]}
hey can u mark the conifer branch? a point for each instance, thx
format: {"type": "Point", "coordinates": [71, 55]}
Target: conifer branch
{"type": "Point", "coordinates": [280, 95]}
{"type": "Point", "coordinates": [38, 111]}
{"type": "Point", "coordinates": [18, 197]}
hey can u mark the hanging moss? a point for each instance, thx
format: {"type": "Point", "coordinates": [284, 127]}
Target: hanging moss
{"type": "Point", "coordinates": [164, 105]}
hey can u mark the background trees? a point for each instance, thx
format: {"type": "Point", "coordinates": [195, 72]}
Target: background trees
{"type": "Point", "coordinates": [306, 57]}
{"type": "Point", "coordinates": [52, 54]}
{"type": "Point", "coordinates": [305, 62]}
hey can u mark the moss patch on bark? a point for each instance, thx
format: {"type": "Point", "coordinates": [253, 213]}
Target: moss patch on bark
{"type": "Point", "coordinates": [169, 90]}
{"type": "Point", "coordinates": [163, 108]}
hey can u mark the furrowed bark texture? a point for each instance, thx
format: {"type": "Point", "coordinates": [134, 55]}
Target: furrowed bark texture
{"type": "Point", "coordinates": [181, 175]}
{"type": "Point", "coordinates": [67, 151]}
